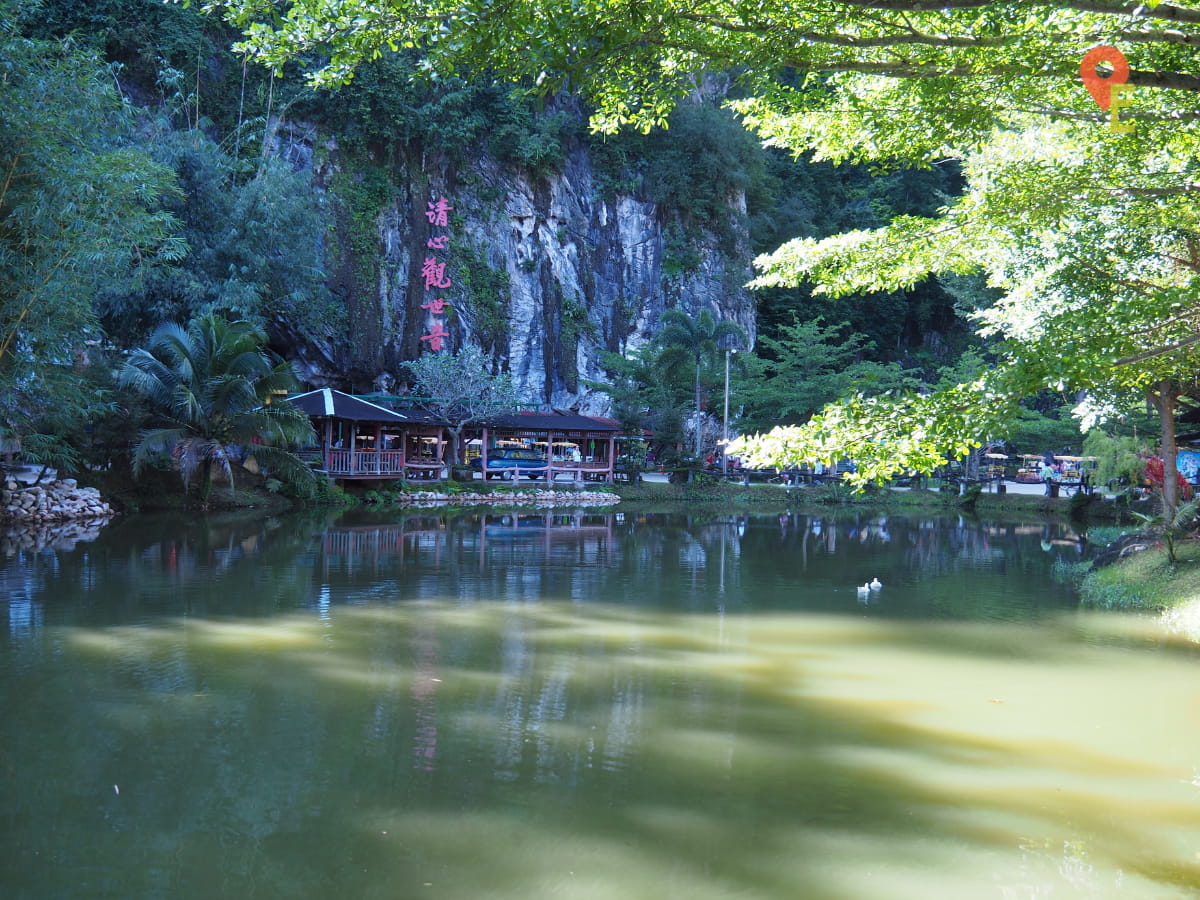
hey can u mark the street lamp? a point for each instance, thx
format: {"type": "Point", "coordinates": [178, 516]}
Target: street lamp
{"type": "Point", "coordinates": [729, 351]}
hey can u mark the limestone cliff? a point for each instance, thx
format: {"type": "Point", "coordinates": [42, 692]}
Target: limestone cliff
{"type": "Point", "coordinates": [546, 272]}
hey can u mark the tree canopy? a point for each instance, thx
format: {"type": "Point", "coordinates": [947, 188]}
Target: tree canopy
{"type": "Point", "coordinates": [811, 364]}
{"type": "Point", "coordinates": [977, 61]}
{"type": "Point", "coordinates": [78, 211]}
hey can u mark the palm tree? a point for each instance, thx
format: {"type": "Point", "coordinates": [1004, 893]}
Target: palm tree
{"type": "Point", "coordinates": [209, 387]}
{"type": "Point", "coordinates": [690, 343]}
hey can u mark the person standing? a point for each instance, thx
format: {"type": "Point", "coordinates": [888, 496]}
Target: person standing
{"type": "Point", "coordinates": [1047, 474]}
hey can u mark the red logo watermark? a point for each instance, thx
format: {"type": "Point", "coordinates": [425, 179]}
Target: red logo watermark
{"type": "Point", "coordinates": [1109, 91]}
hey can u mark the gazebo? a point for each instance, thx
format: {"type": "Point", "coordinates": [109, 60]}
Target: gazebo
{"type": "Point", "coordinates": [362, 440]}
{"type": "Point", "coordinates": [583, 447]}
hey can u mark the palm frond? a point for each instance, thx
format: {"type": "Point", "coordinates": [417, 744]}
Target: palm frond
{"type": "Point", "coordinates": [206, 385]}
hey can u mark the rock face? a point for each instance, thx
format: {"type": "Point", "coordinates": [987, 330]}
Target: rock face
{"type": "Point", "coordinates": [546, 273]}
{"type": "Point", "coordinates": [58, 501]}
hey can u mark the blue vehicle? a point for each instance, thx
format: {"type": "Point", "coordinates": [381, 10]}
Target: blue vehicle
{"type": "Point", "coordinates": [511, 464]}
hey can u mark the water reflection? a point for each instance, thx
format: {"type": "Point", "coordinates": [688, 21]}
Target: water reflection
{"type": "Point", "coordinates": [577, 705]}
{"type": "Point", "coordinates": [242, 565]}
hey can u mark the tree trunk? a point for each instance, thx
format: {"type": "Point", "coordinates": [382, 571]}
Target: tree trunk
{"type": "Point", "coordinates": [205, 480]}
{"type": "Point", "coordinates": [699, 417]}
{"type": "Point", "coordinates": [1163, 398]}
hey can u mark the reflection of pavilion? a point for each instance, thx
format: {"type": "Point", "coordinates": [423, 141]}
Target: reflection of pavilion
{"type": "Point", "coordinates": [547, 528]}
{"type": "Point", "coordinates": [359, 544]}
{"type": "Point", "coordinates": [425, 536]}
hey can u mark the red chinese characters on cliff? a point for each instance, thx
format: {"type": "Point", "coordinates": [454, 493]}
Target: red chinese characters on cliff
{"type": "Point", "coordinates": [436, 336]}
{"type": "Point", "coordinates": [433, 271]}
{"type": "Point", "coordinates": [438, 212]}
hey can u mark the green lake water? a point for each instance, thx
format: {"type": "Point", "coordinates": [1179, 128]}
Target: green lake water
{"type": "Point", "coordinates": [571, 705]}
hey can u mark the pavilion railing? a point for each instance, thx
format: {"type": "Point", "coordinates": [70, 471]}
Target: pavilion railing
{"type": "Point", "coordinates": [349, 463]}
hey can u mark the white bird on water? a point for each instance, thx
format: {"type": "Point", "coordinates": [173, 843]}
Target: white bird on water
{"type": "Point", "coordinates": [864, 591]}
{"type": "Point", "coordinates": [874, 584]}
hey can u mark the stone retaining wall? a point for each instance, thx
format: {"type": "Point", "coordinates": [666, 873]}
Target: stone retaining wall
{"type": "Point", "coordinates": [507, 498]}
{"type": "Point", "coordinates": [57, 501]}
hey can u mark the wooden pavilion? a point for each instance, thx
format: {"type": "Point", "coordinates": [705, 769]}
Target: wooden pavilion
{"type": "Point", "coordinates": [582, 447]}
{"type": "Point", "coordinates": [362, 440]}
{"type": "Point", "coordinates": [359, 439]}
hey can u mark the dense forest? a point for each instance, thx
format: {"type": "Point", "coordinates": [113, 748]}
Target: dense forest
{"type": "Point", "coordinates": [152, 176]}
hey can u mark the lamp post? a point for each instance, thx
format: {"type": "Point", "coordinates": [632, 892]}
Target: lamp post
{"type": "Point", "coordinates": [729, 351]}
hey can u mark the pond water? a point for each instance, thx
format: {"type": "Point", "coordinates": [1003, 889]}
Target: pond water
{"type": "Point", "coordinates": [579, 705]}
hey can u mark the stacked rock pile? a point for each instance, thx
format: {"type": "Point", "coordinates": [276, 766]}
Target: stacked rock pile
{"type": "Point", "coordinates": [58, 501]}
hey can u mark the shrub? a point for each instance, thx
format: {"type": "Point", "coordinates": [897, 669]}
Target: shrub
{"type": "Point", "coordinates": [1117, 459]}
{"type": "Point", "coordinates": [317, 492]}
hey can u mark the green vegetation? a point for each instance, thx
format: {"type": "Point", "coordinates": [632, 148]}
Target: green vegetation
{"type": "Point", "coordinates": [1171, 526]}
{"type": "Point", "coordinates": [689, 346]}
{"type": "Point", "coordinates": [643, 399]}
{"type": "Point", "coordinates": [393, 105]}
{"type": "Point", "coordinates": [208, 389]}
{"type": "Point", "coordinates": [694, 168]}
{"type": "Point", "coordinates": [252, 231]}
{"type": "Point", "coordinates": [362, 192]}
{"type": "Point", "coordinates": [484, 290]}
{"type": "Point", "coordinates": [1119, 459]}
{"type": "Point", "coordinates": [1148, 580]}
{"type": "Point", "coordinates": [810, 365]}
{"type": "Point", "coordinates": [818, 498]}
{"type": "Point", "coordinates": [461, 389]}
{"type": "Point", "coordinates": [79, 213]}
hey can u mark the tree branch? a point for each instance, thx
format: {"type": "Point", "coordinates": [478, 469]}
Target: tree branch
{"type": "Point", "coordinates": [908, 35]}
{"type": "Point", "coordinates": [1162, 350]}
{"type": "Point", "coordinates": [1160, 37]}
{"type": "Point", "coordinates": [1164, 11]}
